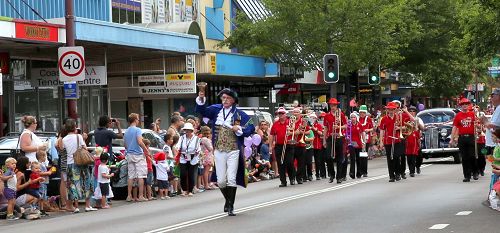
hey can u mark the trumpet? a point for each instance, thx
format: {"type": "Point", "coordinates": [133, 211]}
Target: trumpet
{"type": "Point", "coordinates": [291, 125]}
{"type": "Point", "coordinates": [303, 128]}
{"type": "Point", "coordinates": [399, 121]}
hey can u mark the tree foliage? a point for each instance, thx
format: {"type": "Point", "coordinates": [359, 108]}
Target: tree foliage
{"type": "Point", "coordinates": [440, 42]}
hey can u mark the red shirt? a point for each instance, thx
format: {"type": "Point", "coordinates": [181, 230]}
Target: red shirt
{"type": "Point", "coordinates": [356, 130]}
{"type": "Point", "coordinates": [329, 120]}
{"type": "Point", "coordinates": [278, 130]}
{"type": "Point", "coordinates": [367, 123]}
{"type": "Point", "coordinates": [318, 141]}
{"type": "Point", "coordinates": [464, 121]}
{"type": "Point", "coordinates": [34, 176]}
{"type": "Point", "coordinates": [298, 135]}
{"type": "Point", "coordinates": [413, 143]}
{"type": "Point", "coordinates": [149, 162]}
{"type": "Point", "coordinates": [387, 124]}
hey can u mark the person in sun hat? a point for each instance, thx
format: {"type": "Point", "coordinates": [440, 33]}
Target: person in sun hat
{"type": "Point", "coordinates": [279, 141]}
{"type": "Point", "coordinates": [368, 127]}
{"type": "Point", "coordinates": [463, 134]}
{"type": "Point", "coordinates": [389, 138]}
{"type": "Point", "coordinates": [334, 123]}
{"type": "Point", "coordinates": [230, 126]}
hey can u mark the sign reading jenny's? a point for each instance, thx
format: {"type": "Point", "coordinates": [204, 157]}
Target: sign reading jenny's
{"type": "Point", "coordinates": [49, 77]}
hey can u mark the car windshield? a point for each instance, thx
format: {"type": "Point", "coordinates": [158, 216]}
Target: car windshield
{"type": "Point", "coordinates": [437, 117]}
{"type": "Point", "coordinates": [8, 143]}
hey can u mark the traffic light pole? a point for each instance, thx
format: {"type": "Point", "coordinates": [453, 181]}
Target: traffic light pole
{"type": "Point", "coordinates": [70, 41]}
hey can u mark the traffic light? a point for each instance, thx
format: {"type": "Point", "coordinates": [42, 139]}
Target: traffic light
{"type": "Point", "coordinates": [373, 79]}
{"type": "Point", "coordinates": [331, 68]}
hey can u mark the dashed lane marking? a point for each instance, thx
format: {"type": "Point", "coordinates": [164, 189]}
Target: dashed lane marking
{"type": "Point", "coordinates": [464, 213]}
{"type": "Point", "coordinates": [438, 226]}
{"type": "Point", "coordinates": [269, 203]}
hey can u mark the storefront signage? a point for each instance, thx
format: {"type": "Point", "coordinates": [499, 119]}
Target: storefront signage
{"type": "Point", "coordinates": [49, 77]}
{"type": "Point", "coordinates": [213, 64]}
{"type": "Point", "coordinates": [4, 63]}
{"type": "Point", "coordinates": [365, 90]}
{"type": "Point", "coordinates": [129, 5]}
{"type": "Point", "coordinates": [290, 89]}
{"type": "Point", "coordinates": [181, 83]}
{"type": "Point", "coordinates": [170, 84]}
{"type": "Point", "coordinates": [37, 32]}
{"type": "Point", "coordinates": [190, 63]}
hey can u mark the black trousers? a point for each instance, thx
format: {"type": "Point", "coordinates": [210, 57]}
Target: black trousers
{"type": "Point", "coordinates": [300, 155]}
{"type": "Point", "coordinates": [335, 155]}
{"type": "Point", "coordinates": [419, 160]}
{"type": "Point", "coordinates": [309, 162]}
{"type": "Point", "coordinates": [481, 158]}
{"type": "Point", "coordinates": [286, 165]}
{"type": "Point", "coordinates": [359, 162]}
{"type": "Point", "coordinates": [412, 163]}
{"type": "Point", "coordinates": [188, 175]}
{"type": "Point", "coordinates": [394, 163]}
{"type": "Point", "coordinates": [319, 162]}
{"type": "Point", "coordinates": [403, 158]}
{"type": "Point", "coordinates": [466, 148]}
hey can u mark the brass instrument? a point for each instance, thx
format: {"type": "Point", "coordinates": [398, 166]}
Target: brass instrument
{"type": "Point", "coordinates": [290, 126]}
{"type": "Point", "coordinates": [477, 124]}
{"type": "Point", "coordinates": [303, 128]}
{"type": "Point", "coordinates": [408, 128]}
{"type": "Point", "coordinates": [338, 119]}
{"type": "Point", "coordinates": [400, 121]}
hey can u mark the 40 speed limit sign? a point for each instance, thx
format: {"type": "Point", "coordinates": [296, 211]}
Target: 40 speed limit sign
{"type": "Point", "coordinates": [71, 64]}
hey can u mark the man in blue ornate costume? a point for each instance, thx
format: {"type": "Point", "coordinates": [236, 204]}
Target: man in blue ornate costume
{"type": "Point", "coordinates": [229, 126]}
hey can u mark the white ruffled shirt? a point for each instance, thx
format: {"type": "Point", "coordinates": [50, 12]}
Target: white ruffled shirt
{"type": "Point", "coordinates": [224, 120]}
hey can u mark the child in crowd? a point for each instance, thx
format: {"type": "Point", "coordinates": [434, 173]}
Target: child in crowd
{"type": "Point", "coordinates": [170, 141]}
{"type": "Point", "coordinates": [41, 156]}
{"type": "Point", "coordinates": [103, 179]}
{"type": "Point", "coordinates": [34, 187]}
{"type": "Point", "coordinates": [148, 184]}
{"type": "Point", "coordinates": [208, 156]}
{"type": "Point", "coordinates": [162, 168]}
{"type": "Point", "coordinates": [10, 179]}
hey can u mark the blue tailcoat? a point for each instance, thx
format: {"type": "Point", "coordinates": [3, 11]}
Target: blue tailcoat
{"type": "Point", "coordinates": [211, 112]}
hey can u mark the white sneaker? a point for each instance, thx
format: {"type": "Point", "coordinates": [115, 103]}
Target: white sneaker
{"type": "Point", "coordinates": [88, 209]}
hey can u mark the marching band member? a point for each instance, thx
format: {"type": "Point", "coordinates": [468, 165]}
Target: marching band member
{"type": "Point", "coordinates": [301, 128]}
{"type": "Point", "coordinates": [355, 145]}
{"type": "Point", "coordinates": [412, 149]}
{"type": "Point", "coordinates": [481, 145]}
{"type": "Point", "coordinates": [368, 127]}
{"type": "Point", "coordinates": [318, 150]}
{"type": "Point", "coordinates": [230, 126]}
{"type": "Point", "coordinates": [463, 134]}
{"type": "Point", "coordinates": [389, 138]}
{"type": "Point", "coordinates": [334, 122]}
{"type": "Point", "coordinates": [279, 140]}
{"type": "Point", "coordinates": [404, 117]}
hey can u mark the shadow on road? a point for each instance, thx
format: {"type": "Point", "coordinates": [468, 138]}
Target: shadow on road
{"type": "Point", "coordinates": [450, 162]}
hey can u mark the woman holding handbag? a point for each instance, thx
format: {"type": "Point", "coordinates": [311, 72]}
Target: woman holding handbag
{"type": "Point", "coordinates": [79, 182]}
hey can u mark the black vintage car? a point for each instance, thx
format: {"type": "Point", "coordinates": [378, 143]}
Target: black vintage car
{"type": "Point", "coordinates": [436, 136]}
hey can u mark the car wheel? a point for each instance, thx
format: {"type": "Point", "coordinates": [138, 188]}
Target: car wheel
{"type": "Point", "coordinates": [456, 158]}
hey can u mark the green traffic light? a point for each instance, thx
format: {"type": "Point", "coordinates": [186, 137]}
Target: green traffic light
{"type": "Point", "coordinates": [374, 78]}
{"type": "Point", "coordinates": [331, 75]}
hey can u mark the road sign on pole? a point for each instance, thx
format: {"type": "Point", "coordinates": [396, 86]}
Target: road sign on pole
{"type": "Point", "coordinates": [71, 64]}
{"type": "Point", "coordinates": [70, 90]}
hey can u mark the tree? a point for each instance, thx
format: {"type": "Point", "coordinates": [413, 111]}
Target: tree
{"type": "Point", "coordinates": [301, 31]}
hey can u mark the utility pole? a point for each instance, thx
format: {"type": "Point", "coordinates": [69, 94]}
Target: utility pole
{"type": "Point", "coordinates": [70, 42]}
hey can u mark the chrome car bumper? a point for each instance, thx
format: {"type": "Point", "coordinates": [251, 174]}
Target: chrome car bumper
{"type": "Point", "coordinates": [439, 150]}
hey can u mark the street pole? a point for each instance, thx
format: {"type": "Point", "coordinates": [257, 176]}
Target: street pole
{"type": "Point", "coordinates": [70, 41]}
{"type": "Point", "coordinates": [476, 93]}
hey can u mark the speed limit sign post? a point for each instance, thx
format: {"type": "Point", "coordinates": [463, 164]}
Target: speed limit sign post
{"type": "Point", "coordinates": [71, 64]}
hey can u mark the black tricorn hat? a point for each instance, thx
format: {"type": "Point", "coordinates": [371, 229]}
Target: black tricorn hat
{"type": "Point", "coordinates": [229, 92]}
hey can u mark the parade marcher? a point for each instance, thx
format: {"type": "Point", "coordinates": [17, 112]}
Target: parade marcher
{"type": "Point", "coordinates": [309, 154]}
{"type": "Point", "coordinates": [404, 117]}
{"type": "Point", "coordinates": [324, 172]}
{"type": "Point", "coordinates": [481, 148]}
{"type": "Point", "coordinates": [280, 139]}
{"type": "Point", "coordinates": [412, 148]}
{"type": "Point", "coordinates": [368, 127]}
{"type": "Point", "coordinates": [334, 122]}
{"type": "Point", "coordinates": [230, 126]}
{"type": "Point", "coordinates": [317, 144]}
{"type": "Point", "coordinates": [463, 133]}
{"type": "Point", "coordinates": [355, 135]}
{"type": "Point", "coordinates": [301, 128]}
{"type": "Point", "coordinates": [389, 138]}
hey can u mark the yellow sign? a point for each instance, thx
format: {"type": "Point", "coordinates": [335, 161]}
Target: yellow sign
{"type": "Point", "coordinates": [180, 77]}
{"type": "Point", "coordinates": [213, 64]}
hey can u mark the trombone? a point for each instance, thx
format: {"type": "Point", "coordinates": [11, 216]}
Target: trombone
{"type": "Point", "coordinates": [290, 126]}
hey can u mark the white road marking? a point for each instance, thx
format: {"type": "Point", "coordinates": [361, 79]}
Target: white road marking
{"type": "Point", "coordinates": [464, 213]}
{"type": "Point", "coordinates": [439, 226]}
{"type": "Point", "coordinates": [270, 203]}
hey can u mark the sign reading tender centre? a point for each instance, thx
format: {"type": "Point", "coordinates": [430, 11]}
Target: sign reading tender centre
{"type": "Point", "coordinates": [49, 77]}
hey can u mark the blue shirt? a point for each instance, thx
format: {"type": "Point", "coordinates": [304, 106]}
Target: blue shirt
{"type": "Point", "coordinates": [130, 139]}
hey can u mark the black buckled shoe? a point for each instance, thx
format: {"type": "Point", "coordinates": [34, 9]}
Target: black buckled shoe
{"type": "Point", "coordinates": [331, 180]}
{"type": "Point", "coordinates": [282, 185]}
{"type": "Point", "coordinates": [466, 180]}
